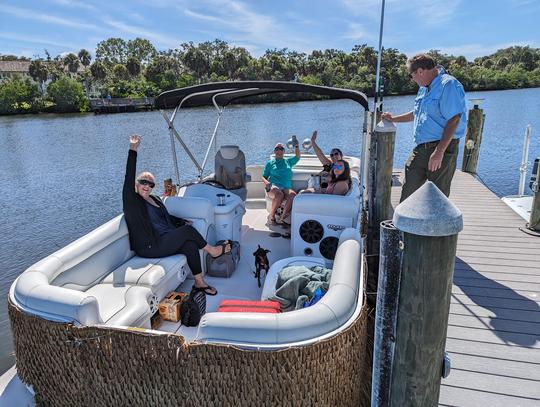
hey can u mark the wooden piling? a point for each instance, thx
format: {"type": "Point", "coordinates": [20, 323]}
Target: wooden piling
{"type": "Point", "coordinates": [390, 263]}
{"type": "Point", "coordinates": [430, 224]}
{"type": "Point", "coordinates": [534, 219]}
{"type": "Point", "coordinates": [380, 165]}
{"type": "Point", "coordinates": [473, 139]}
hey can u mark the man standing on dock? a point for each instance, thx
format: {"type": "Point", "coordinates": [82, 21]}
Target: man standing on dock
{"type": "Point", "coordinates": [439, 117]}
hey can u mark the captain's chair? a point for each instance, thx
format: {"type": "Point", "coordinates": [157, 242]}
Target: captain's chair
{"type": "Point", "coordinates": [230, 170]}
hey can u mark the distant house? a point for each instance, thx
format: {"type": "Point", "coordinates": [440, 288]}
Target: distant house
{"type": "Point", "coordinates": [9, 69]}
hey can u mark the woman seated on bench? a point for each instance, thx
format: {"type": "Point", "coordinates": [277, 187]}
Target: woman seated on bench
{"type": "Point", "coordinates": [277, 178]}
{"type": "Point", "coordinates": [340, 180]}
{"type": "Point", "coordinates": [153, 232]}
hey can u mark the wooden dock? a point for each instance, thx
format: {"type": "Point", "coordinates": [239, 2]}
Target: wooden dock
{"type": "Point", "coordinates": [493, 336]}
{"type": "Point", "coordinates": [121, 105]}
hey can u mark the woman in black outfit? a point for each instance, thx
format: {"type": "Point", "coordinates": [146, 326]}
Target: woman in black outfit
{"type": "Point", "coordinates": [153, 232]}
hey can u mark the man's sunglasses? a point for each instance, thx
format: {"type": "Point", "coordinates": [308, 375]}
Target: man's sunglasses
{"type": "Point", "coordinates": [146, 182]}
{"type": "Point", "coordinates": [279, 149]}
{"type": "Point", "coordinates": [412, 73]}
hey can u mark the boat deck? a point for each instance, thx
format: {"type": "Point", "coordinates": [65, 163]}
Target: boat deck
{"type": "Point", "coordinates": [493, 334]}
{"type": "Point", "coordinates": [242, 285]}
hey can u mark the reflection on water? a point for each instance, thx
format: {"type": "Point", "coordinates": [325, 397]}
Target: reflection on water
{"type": "Point", "coordinates": [62, 175]}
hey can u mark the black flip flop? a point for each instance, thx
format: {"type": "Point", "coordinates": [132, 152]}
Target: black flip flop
{"type": "Point", "coordinates": [223, 245]}
{"type": "Point", "coordinates": [203, 289]}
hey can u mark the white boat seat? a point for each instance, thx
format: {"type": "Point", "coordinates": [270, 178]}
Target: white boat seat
{"type": "Point", "coordinates": [332, 311]}
{"type": "Point", "coordinates": [98, 280]}
{"type": "Point", "coordinates": [160, 275]}
{"type": "Point", "coordinates": [318, 219]}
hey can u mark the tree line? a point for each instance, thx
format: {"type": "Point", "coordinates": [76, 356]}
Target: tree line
{"type": "Point", "coordinates": [135, 68]}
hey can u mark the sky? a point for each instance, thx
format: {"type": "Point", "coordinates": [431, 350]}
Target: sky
{"type": "Point", "coordinates": [471, 28]}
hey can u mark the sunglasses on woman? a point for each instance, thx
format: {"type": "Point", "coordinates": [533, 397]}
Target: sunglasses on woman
{"type": "Point", "coordinates": [336, 154]}
{"type": "Point", "coordinates": [338, 167]}
{"type": "Point", "coordinates": [279, 149]}
{"type": "Point", "coordinates": [146, 182]}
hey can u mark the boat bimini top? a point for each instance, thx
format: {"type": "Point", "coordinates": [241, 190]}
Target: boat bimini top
{"type": "Point", "coordinates": [221, 94]}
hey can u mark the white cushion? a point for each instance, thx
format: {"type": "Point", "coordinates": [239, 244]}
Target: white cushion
{"type": "Point", "coordinates": [123, 305]}
{"type": "Point", "coordinates": [160, 275]}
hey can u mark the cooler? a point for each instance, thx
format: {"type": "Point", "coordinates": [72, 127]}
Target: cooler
{"type": "Point", "coordinates": [228, 209]}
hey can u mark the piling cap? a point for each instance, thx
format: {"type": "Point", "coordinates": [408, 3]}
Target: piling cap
{"type": "Point", "coordinates": [428, 212]}
{"type": "Point", "coordinates": [385, 126]}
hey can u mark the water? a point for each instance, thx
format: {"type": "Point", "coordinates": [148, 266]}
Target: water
{"type": "Point", "coordinates": [62, 175]}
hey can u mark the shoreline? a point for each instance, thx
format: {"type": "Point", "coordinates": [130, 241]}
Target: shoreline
{"type": "Point", "coordinates": [278, 99]}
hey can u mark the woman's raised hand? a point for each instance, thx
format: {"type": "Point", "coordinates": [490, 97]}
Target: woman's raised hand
{"type": "Point", "coordinates": [134, 141]}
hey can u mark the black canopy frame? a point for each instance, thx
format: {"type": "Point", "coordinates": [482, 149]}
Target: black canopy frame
{"type": "Point", "coordinates": [172, 98]}
{"type": "Point", "coordinates": [222, 94]}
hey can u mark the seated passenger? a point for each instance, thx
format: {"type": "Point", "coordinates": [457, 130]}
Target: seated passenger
{"type": "Point", "coordinates": [277, 178]}
{"type": "Point", "coordinates": [335, 154]}
{"type": "Point", "coordinates": [340, 181]}
{"type": "Point", "coordinates": [153, 232]}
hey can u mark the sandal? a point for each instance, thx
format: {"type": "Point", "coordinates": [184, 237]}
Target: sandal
{"type": "Point", "coordinates": [205, 289]}
{"type": "Point", "coordinates": [223, 245]}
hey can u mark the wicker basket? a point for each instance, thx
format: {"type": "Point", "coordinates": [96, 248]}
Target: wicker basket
{"type": "Point", "coordinates": [99, 366]}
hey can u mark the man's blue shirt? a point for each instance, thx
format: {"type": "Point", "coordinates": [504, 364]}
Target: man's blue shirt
{"type": "Point", "coordinates": [434, 106]}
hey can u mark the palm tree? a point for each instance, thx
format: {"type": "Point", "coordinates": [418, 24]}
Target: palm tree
{"type": "Point", "coordinates": [85, 57]}
{"type": "Point", "coordinates": [98, 71]}
{"type": "Point", "coordinates": [72, 62]}
{"type": "Point", "coordinates": [133, 66]}
{"type": "Point", "coordinates": [39, 72]}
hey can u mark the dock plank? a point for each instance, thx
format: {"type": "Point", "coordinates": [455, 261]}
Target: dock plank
{"type": "Point", "coordinates": [493, 335]}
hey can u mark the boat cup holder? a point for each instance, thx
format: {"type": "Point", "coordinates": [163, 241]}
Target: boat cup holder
{"type": "Point", "coordinates": [308, 251]}
{"type": "Point", "coordinates": [221, 198]}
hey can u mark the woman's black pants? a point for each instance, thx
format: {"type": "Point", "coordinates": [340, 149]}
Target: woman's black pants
{"type": "Point", "coordinates": [183, 240]}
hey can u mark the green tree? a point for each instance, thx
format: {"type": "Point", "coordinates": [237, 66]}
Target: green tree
{"type": "Point", "coordinates": [39, 72]}
{"type": "Point", "coordinates": [68, 95]}
{"type": "Point", "coordinates": [133, 66]}
{"type": "Point", "coordinates": [120, 72]}
{"type": "Point", "coordinates": [71, 61]}
{"type": "Point", "coordinates": [141, 50]}
{"type": "Point", "coordinates": [19, 95]}
{"type": "Point", "coordinates": [112, 51]}
{"type": "Point", "coordinates": [84, 57]}
{"type": "Point", "coordinates": [98, 71]}
{"type": "Point", "coordinates": [502, 62]}
{"type": "Point", "coordinates": [196, 61]}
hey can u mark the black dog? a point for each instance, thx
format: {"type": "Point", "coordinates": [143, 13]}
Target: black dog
{"type": "Point", "coordinates": [261, 263]}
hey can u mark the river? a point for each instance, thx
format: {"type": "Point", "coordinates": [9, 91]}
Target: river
{"type": "Point", "coordinates": [62, 174]}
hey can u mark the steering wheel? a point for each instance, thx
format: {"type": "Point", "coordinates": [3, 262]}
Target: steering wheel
{"type": "Point", "coordinates": [214, 183]}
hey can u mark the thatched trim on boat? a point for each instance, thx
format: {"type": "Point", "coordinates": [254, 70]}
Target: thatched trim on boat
{"type": "Point", "coordinates": [69, 365]}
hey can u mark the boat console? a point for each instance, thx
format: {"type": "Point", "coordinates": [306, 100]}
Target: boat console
{"type": "Point", "coordinates": [228, 209]}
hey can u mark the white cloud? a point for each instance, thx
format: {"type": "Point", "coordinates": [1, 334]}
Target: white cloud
{"type": "Point", "coordinates": [472, 51]}
{"type": "Point", "coordinates": [242, 24]}
{"type": "Point", "coordinates": [75, 4]}
{"type": "Point", "coordinates": [36, 40]}
{"type": "Point", "coordinates": [431, 12]}
{"type": "Point", "coordinates": [160, 39]}
{"type": "Point", "coordinates": [47, 18]}
{"type": "Point", "coordinates": [356, 32]}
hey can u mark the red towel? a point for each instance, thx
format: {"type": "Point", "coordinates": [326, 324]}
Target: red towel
{"type": "Point", "coordinates": [267, 307]}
